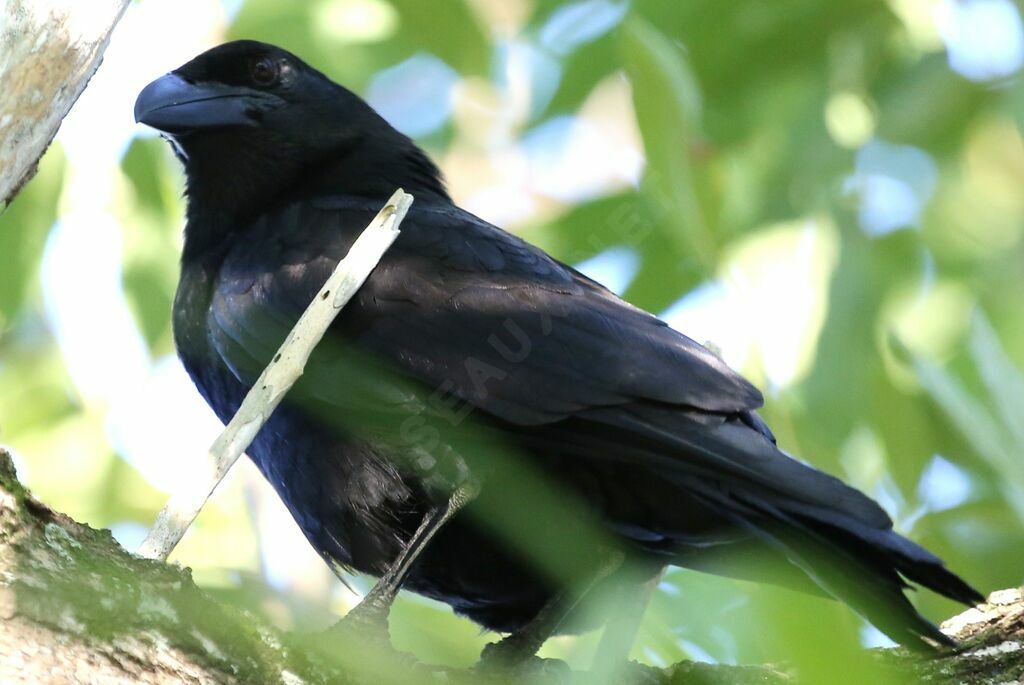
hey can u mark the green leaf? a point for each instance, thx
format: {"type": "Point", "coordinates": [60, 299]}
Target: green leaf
{"type": "Point", "coordinates": [969, 415]}
{"type": "Point", "coordinates": [668, 107]}
{"type": "Point", "coordinates": [989, 438]}
{"type": "Point", "coordinates": [1004, 381]}
{"type": "Point", "coordinates": [24, 225]}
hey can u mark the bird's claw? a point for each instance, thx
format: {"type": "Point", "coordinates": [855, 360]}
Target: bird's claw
{"type": "Point", "coordinates": [363, 624]}
{"type": "Point", "coordinates": [510, 657]}
{"type": "Point", "coordinates": [360, 641]}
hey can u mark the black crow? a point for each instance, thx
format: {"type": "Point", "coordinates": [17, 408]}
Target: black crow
{"type": "Point", "coordinates": [482, 423]}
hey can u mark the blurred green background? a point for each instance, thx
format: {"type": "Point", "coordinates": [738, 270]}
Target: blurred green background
{"type": "Point", "coordinates": [829, 193]}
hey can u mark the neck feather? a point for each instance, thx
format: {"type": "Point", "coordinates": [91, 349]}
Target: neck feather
{"type": "Point", "coordinates": [225, 194]}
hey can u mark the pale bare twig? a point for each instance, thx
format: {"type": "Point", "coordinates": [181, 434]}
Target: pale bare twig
{"type": "Point", "coordinates": [279, 376]}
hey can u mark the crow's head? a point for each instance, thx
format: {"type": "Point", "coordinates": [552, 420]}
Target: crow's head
{"type": "Point", "coordinates": [252, 121]}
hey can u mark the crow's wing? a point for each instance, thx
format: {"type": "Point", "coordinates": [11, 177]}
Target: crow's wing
{"type": "Point", "coordinates": [460, 305]}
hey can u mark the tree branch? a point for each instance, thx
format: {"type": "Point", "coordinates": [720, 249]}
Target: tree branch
{"type": "Point", "coordinates": [49, 49]}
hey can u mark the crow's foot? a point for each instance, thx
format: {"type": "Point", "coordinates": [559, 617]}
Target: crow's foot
{"type": "Point", "coordinates": [512, 659]}
{"type": "Point", "coordinates": [360, 644]}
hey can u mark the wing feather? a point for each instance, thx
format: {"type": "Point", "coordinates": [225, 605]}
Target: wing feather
{"type": "Point", "coordinates": [460, 304]}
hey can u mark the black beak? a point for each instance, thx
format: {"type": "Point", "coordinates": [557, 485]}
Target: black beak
{"type": "Point", "coordinates": [173, 105]}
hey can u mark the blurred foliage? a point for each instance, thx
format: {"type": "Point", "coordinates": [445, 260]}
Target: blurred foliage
{"type": "Point", "coordinates": [752, 116]}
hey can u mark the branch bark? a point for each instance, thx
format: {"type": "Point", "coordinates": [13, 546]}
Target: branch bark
{"type": "Point", "coordinates": [76, 608]}
{"type": "Point", "coordinates": [49, 49]}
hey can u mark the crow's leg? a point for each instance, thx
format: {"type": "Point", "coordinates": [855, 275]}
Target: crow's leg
{"type": "Point", "coordinates": [620, 633]}
{"type": "Point", "coordinates": [520, 646]}
{"type": "Point", "coordinates": [370, 616]}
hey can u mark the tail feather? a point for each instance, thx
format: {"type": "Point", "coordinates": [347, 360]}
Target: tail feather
{"type": "Point", "coordinates": [866, 577]}
{"type": "Point", "coordinates": [833, 533]}
{"type": "Point", "coordinates": [911, 560]}
{"type": "Point", "coordinates": [851, 573]}
{"type": "Point", "coordinates": [839, 538]}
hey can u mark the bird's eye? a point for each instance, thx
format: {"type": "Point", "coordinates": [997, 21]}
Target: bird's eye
{"type": "Point", "coordinates": [264, 72]}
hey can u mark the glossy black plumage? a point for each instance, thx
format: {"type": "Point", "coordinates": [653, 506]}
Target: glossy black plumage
{"type": "Point", "coordinates": [470, 353]}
